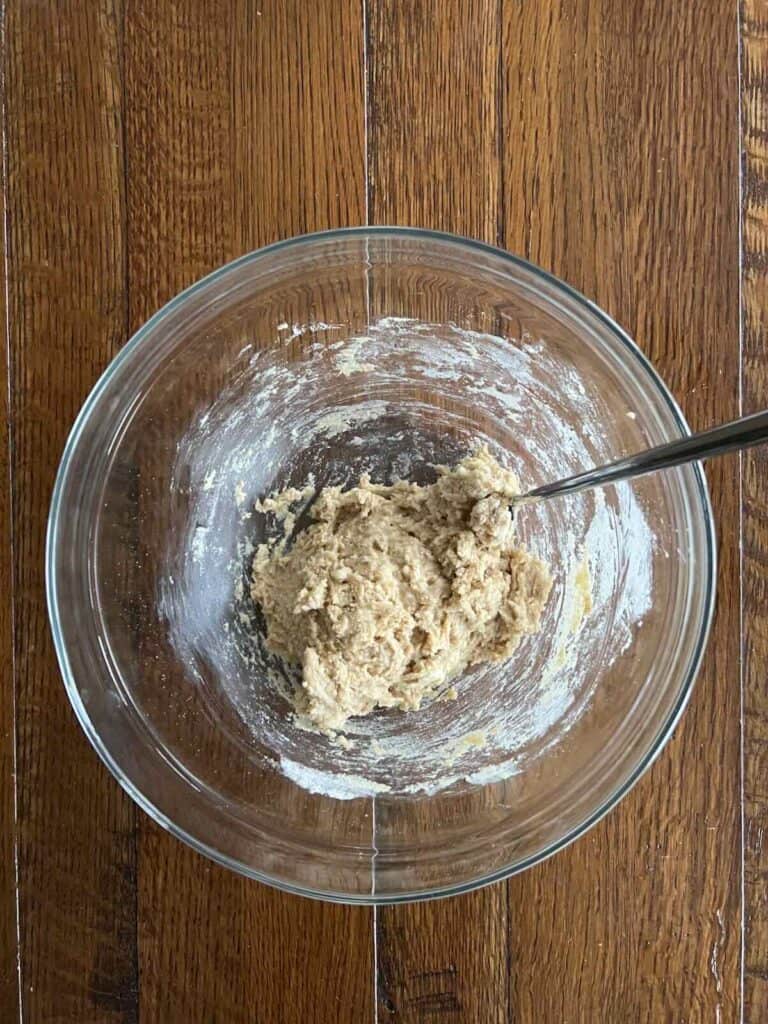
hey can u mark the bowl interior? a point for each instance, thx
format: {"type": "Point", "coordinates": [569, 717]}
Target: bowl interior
{"type": "Point", "coordinates": [387, 353]}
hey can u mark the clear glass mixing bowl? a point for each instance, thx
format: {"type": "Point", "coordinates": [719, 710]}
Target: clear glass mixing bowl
{"type": "Point", "coordinates": [386, 351]}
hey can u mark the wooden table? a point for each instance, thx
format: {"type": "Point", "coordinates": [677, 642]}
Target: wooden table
{"type": "Point", "coordinates": [622, 144]}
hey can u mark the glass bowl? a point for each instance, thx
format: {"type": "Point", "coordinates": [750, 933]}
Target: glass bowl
{"type": "Point", "coordinates": [386, 351]}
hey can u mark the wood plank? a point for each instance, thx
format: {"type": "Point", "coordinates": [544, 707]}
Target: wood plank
{"type": "Point", "coordinates": [754, 122]}
{"type": "Point", "coordinates": [433, 162]}
{"type": "Point", "coordinates": [66, 318]}
{"type": "Point", "coordinates": [621, 175]}
{"type": "Point", "coordinates": [433, 131]}
{"type": "Point", "coordinates": [9, 978]}
{"type": "Point", "coordinates": [298, 120]}
{"type": "Point", "coordinates": [604, 153]}
{"type": "Point", "coordinates": [244, 124]}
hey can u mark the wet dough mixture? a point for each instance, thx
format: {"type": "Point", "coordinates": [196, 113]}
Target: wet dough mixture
{"type": "Point", "coordinates": [394, 590]}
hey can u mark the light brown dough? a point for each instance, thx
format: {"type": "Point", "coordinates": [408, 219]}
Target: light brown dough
{"type": "Point", "coordinates": [393, 591]}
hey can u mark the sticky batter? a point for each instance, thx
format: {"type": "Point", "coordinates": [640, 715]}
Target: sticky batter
{"type": "Point", "coordinates": [394, 590]}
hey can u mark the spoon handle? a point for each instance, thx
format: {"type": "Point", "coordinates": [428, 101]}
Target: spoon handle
{"type": "Point", "coordinates": [743, 433]}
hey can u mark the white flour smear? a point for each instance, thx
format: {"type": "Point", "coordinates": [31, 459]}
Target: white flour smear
{"type": "Point", "coordinates": [395, 402]}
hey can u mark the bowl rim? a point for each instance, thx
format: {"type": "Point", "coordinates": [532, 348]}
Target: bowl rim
{"type": "Point", "coordinates": [373, 898]}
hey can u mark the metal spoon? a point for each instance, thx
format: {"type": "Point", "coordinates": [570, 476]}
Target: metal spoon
{"type": "Point", "coordinates": [743, 433]}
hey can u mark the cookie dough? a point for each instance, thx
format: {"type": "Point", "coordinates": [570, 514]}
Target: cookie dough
{"type": "Point", "coordinates": [394, 590]}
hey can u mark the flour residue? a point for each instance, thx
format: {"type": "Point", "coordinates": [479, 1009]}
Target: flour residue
{"type": "Point", "coordinates": [394, 401]}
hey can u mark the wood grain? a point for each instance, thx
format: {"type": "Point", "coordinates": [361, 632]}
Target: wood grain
{"type": "Point", "coordinates": [67, 310]}
{"type": "Point", "coordinates": [754, 93]}
{"type": "Point", "coordinates": [603, 125]}
{"type": "Point", "coordinates": [9, 979]}
{"type": "Point", "coordinates": [433, 126]}
{"type": "Point", "coordinates": [619, 126]}
{"type": "Point", "coordinates": [244, 123]}
{"type": "Point", "coordinates": [298, 119]}
{"type": "Point", "coordinates": [433, 162]}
